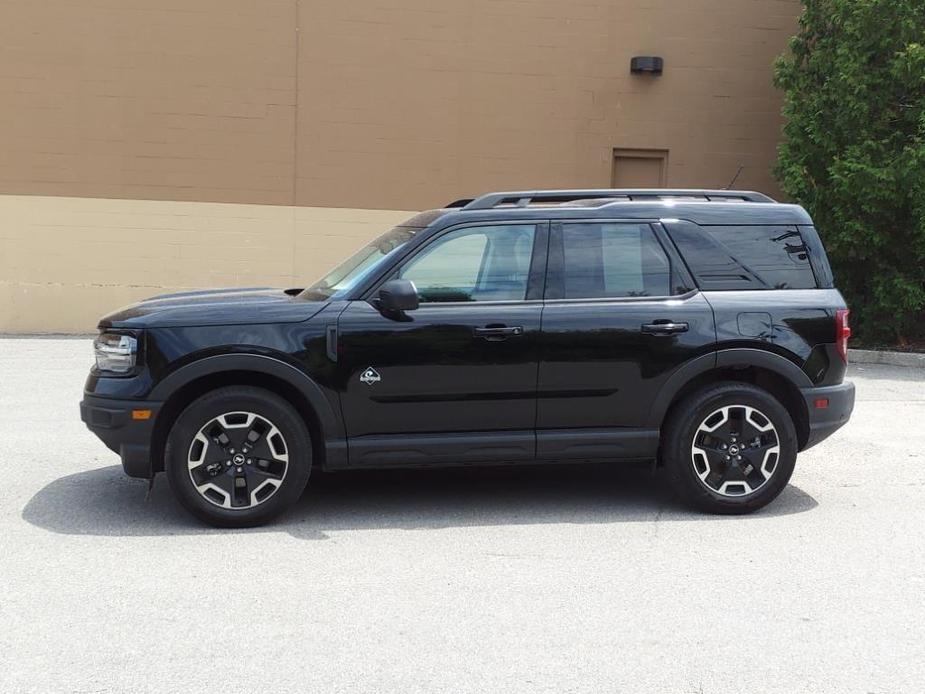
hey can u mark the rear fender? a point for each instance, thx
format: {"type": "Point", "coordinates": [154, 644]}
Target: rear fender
{"type": "Point", "coordinates": [723, 359]}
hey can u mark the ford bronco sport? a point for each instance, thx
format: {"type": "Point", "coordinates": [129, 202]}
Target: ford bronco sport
{"type": "Point", "coordinates": [697, 328]}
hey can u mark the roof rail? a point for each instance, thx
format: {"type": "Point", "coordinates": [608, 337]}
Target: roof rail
{"type": "Point", "coordinates": [458, 203]}
{"type": "Point", "coordinates": [526, 197]}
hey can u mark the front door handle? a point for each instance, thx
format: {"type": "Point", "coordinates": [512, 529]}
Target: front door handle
{"type": "Point", "coordinates": [665, 328]}
{"type": "Point", "coordinates": [496, 333]}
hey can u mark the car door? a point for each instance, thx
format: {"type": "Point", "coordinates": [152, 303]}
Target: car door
{"type": "Point", "coordinates": [620, 316]}
{"type": "Point", "coordinates": [455, 379]}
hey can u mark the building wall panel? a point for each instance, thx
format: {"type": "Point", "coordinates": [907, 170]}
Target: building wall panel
{"type": "Point", "coordinates": [141, 99]}
{"type": "Point", "coordinates": [67, 261]}
{"type": "Point", "coordinates": [150, 146]}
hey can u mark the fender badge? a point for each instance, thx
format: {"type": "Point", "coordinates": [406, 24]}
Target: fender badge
{"type": "Point", "coordinates": [370, 376]}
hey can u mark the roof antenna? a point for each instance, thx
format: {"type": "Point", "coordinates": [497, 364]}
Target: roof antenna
{"type": "Point", "coordinates": [735, 178]}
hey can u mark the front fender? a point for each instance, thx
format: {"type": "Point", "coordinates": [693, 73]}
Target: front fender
{"type": "Point", "coordinates": [331, 425]}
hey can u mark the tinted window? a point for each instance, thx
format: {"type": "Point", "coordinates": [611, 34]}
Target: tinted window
{"type": "Point", "coordinates": [613, 260]}
{"type": "Point", "coordinates": [486, 263]}
{"type": "Point", "coordinates": [745, 257]}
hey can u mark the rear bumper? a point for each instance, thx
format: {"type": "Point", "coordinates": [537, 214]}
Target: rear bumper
{"type": "Point", "coordinates": [824, 421]}
{"type": "Point", "coordinates": [111, 420]}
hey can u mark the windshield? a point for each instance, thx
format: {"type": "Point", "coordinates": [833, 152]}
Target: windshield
{"type": "Point", "coordinates": [360, 265]}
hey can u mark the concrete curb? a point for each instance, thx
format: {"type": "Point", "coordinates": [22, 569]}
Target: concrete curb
{"type": "Point", "coordinates": [871, 356]}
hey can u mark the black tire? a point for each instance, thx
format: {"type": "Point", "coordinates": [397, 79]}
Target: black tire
{"type": "Point", "coordinates": [291, 475]}
{"type": "Point", "coordinates": [682, 465]}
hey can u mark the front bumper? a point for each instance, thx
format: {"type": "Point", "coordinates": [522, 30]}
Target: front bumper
{"type": "Point", "coordinates": [824, 421]}
{"type": "Point", "coordinates": [111, 420]}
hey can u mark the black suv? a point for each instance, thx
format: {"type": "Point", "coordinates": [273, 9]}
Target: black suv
{"type": "Point", "coordinates": [697, 328]}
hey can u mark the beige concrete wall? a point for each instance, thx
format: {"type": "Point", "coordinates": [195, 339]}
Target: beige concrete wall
{"type": "Point", "coordinates": [414, 102]}
{"type": "Point", "coordinates": [300, 105]}
{"type": "Point", "coordinates": [403, 104]}
{"type": "Point", "coordinates": [64, 262]}
{"type": "Point", "coordinates": [154, 99]}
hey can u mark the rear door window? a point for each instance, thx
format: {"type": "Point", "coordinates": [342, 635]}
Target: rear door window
{"type": "Point", "coordinates": [609, 260]}
{"type": "Point", "coordinates": [744, 257]}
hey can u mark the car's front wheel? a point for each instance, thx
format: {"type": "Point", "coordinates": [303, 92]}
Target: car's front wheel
{"type": "Point", "coordinates": [238, 456]}
{"type": "Point", "coordinates": [729, 448]}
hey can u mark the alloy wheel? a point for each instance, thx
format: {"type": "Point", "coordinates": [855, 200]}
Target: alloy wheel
{"type": "Point", "coordinates": [735, 450]}
{"type": "Point", "coordinates": [238, 460]}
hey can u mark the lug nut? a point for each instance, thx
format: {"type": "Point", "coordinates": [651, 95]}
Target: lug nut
{"type": "Point", "coordinates": [722, 446]}
{"type": "Point", "coordinates": [240, 469]}
{"type": "Point", "coordinates": [738, 457]}
{"type": "Point", "coordinates": [228, 463]}
{"type": "Point", "coordinates": [249, 461]}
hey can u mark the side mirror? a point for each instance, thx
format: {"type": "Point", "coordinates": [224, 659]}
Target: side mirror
{"type": "Point", "coordinates": [398, 295]}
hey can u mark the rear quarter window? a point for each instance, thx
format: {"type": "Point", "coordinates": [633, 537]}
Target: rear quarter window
{"type": "Point", "coordinates": [745, 256]}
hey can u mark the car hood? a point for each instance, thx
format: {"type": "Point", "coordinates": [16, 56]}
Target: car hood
{"type": "Point", "coordinates": [215, 307]}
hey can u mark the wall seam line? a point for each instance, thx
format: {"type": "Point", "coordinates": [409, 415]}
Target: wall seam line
{"type": "Point", "coordinates": [295, 135]}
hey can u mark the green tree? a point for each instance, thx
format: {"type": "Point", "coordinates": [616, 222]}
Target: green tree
{"type": "Point", "coordinates": [853, 153]}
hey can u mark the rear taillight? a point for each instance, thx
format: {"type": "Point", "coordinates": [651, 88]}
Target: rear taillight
{"type": "Point", "coordinates": [842, 332]}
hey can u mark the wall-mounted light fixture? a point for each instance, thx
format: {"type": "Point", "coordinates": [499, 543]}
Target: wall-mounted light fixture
{"type": "Point", "coordinates": [646, 65]}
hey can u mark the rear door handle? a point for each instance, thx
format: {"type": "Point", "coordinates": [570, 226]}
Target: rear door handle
{"type": "Point", "coordinates": [666, 328]}
{"type": "Point", "coordinates": [498, 333]}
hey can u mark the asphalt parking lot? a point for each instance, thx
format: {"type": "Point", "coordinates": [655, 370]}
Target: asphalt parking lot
{"type": "Point", "coordinates": [565, 579]}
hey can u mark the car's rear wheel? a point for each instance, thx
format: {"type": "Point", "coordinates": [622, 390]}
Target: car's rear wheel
{"type": "Point", "coordinates": [729, 448]}
{"type": "Point", "coordinates": [238, 456]}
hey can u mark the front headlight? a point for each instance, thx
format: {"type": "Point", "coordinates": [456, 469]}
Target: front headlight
{"type": "Point", "coordinates": [115, 353]}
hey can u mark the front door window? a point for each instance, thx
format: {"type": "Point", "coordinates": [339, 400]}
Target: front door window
{"type": "Point", "coordinates": [484, 263]}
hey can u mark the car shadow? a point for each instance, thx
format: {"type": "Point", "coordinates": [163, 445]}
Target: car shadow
{"type": "Point", "coordinates": [105, 502]}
